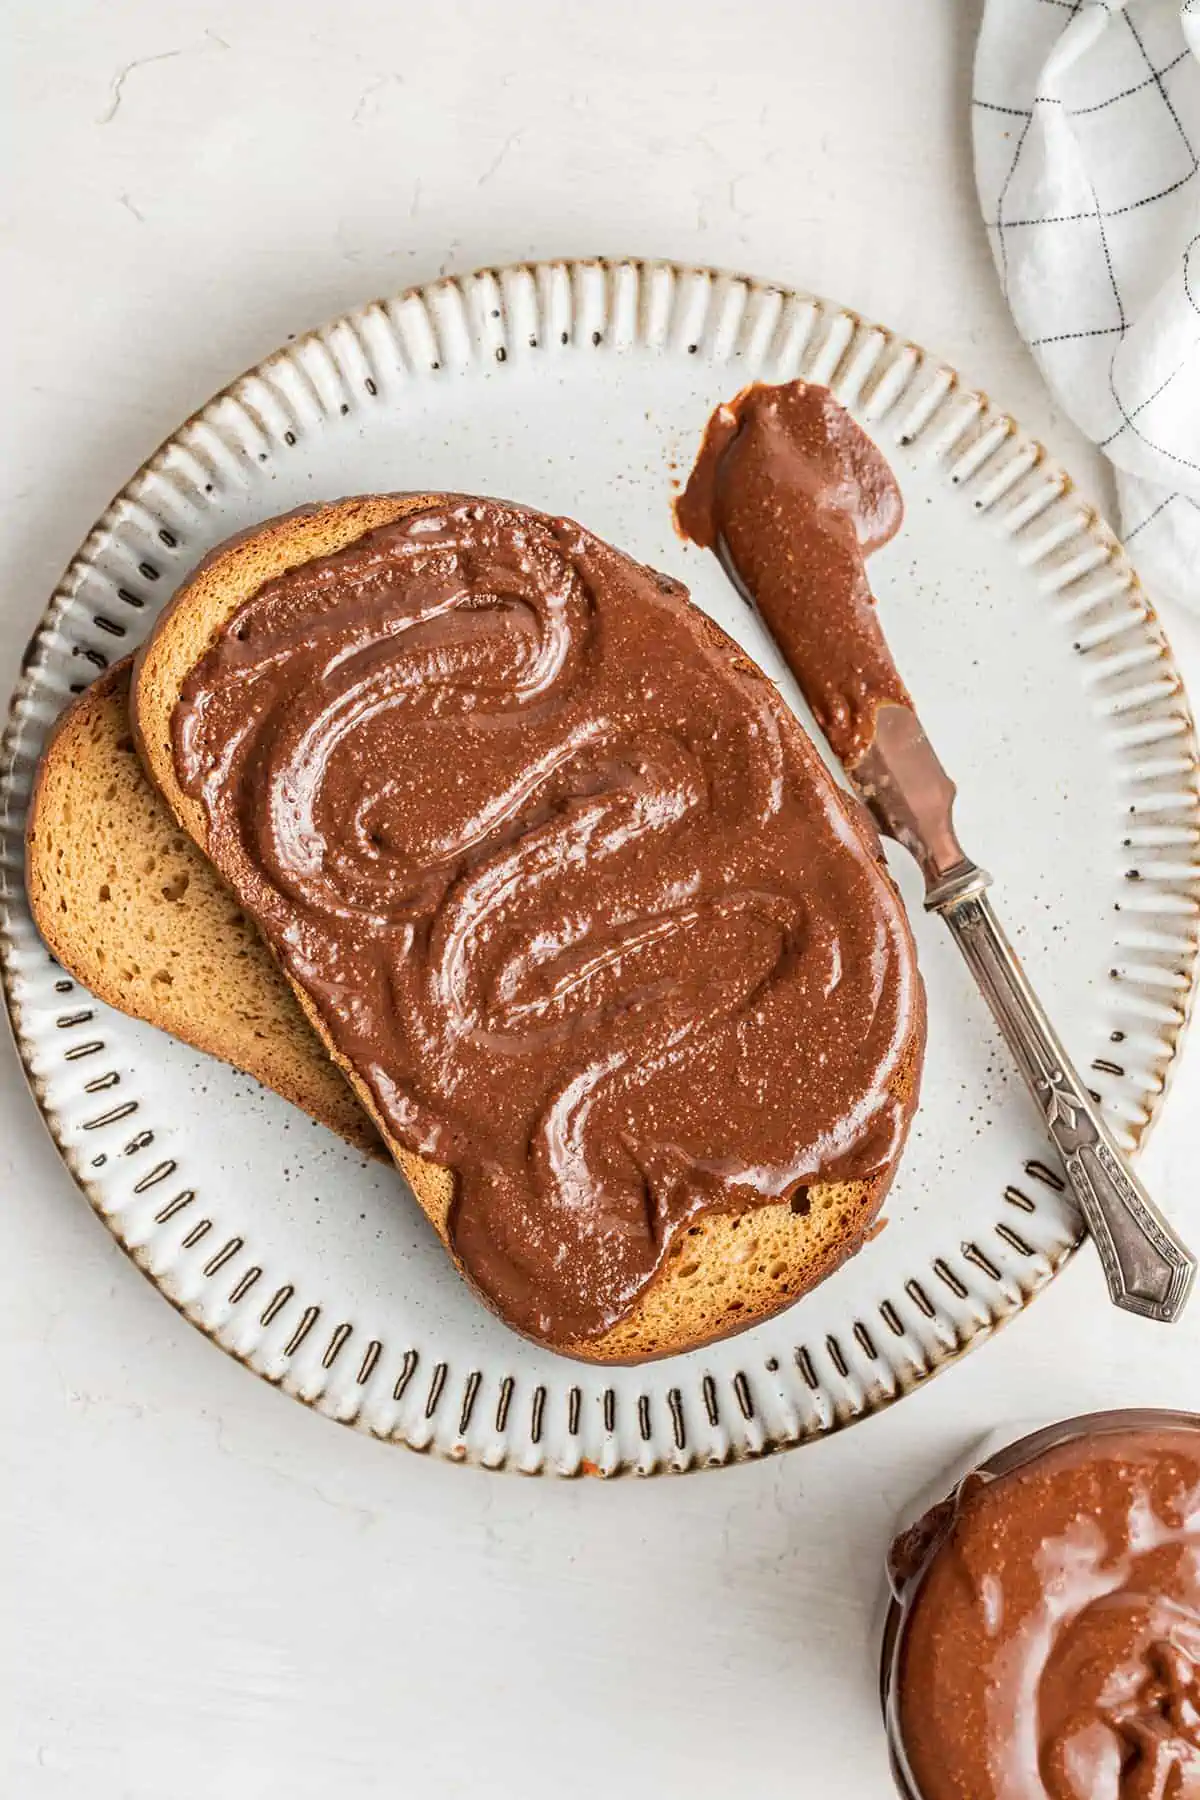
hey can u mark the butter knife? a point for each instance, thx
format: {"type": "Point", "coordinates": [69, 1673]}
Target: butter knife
{"type": "Point", "coordinates": [901, 781]}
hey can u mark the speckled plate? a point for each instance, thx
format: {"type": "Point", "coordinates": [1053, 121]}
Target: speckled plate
{"type": "Point", "coordinates": [1045, 681]}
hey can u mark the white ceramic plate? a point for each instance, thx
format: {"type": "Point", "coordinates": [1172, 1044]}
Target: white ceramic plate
{"type": "Point", "coordinates": [1036, 663]}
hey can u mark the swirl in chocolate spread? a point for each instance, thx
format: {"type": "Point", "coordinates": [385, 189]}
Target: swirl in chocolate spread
{"type": "Point", "coordinates": [1050, 1648]}
{"type": "Point", "coordinates": [800, 496]}
{"type": "Point", "coordinates": [566, 884]}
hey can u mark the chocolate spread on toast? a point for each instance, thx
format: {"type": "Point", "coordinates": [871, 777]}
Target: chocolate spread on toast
{"type": "Point", "coordinates": [566, 884]}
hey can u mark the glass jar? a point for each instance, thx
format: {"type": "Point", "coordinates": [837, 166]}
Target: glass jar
{"type": "Point", "coordinates": [1163, 1717]}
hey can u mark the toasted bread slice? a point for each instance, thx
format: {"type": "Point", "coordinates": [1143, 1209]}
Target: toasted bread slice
{"type": "Point", "coordinates": [728, 1271]}
{"type": "Point", "coordinates": [129, 906]}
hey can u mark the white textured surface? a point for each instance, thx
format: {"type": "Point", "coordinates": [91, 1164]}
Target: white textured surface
{"type": "Point", "coordinates": [207, 1591]}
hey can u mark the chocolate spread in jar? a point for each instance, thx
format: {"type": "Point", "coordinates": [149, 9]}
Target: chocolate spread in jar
{"type": "Point", "coordinates": [567, 885]}
{"type": "Point", "coordinates": [800, 496]}
{"type": "Point", "coordinates": [1049, 1644]}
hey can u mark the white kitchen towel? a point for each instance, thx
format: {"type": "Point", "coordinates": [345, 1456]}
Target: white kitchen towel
{"type": "Point", "coordinates": [1087, 138]}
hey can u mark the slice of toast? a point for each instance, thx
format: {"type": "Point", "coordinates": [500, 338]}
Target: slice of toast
{"type": "Point", "coordinates": [129, 906]}
{"type": "Point", "coordinates": [729, 1270]}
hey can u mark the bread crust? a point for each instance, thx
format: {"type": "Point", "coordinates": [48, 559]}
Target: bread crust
{"type": "Point", "coordinates": [128, 905]}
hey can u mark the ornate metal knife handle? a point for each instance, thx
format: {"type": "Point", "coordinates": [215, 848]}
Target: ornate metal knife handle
{"type": "Point", "coordinates": [1148, 1268]}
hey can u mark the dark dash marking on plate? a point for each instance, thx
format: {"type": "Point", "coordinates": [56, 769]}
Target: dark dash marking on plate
{"type": "Point", "coordinates": [371, 1355]}
{"type": "Point", "coordinates": [66, 1020]}
{"type": "Point", "coordinates": [643, 1409]}
{"type": "Point", "coordinates": [407, 1370]}
{"type": "Point", "coordinates": [708, 1388]}
{"type": "Point", "coordinates": [1014, 1239]}
{"type": "Point", "coordinates": [804, 1363]}
{"type": "Point", "coordinates": [289, 437]}
{"type": "Point", "coordinates": [134, 600]}
{"type": "Point", "coordinates": [168, 538]}
{"type": "Point", "coordinates": [78, 1050]}
{"type": "Point", "coordinates": [610, 1410]}
{"type": "Point", "coordinates": [468, 1401]}
{"type": "Point", "coordinates": [63, 987]}
{"type": "Point", "coordinates": [244, 1285]}
{"type": "Point", "coordinates": [308, 1319]}
{"type": "Point", "coordinates": [1104, 1066]}
{"type": "Point", "coordinates": [148, 570]}
{"type": "Point", "coordinates": [91, 655]}
{"type": "Point", "coordinates": [675, 1408]}
{"type": "Point", "coordinates": [141, 1141]}
{"type": "Point", "coordinates": [175, 1205]}
{"type": "Point", "coordinates": [217, 1262]}
{"type": "Point", "coordinates": [1041, 1173]}
{"type": "Point", "coordinates": [501, 353]}
{"type": "Point", "coordinates": [535, 1420]}
{"type": "Point", "coordinates": [504, 1402]}
{"type": "Point", "coordinates": [917, 1293]}
{"type": "Point", "coordinates": [335, 1345]}
{"type": "Point", "coordinates": [1015, 1197]}
{"type": "Point", "coordinates": [745, 1398]}
{"type": "Point", "coordinates": [276, 1304]}
{"type": "Point", "coordinates": [158, 1173]}
{"type": "Point", "coordinates": [370, 386]}
{"type": "Point", "coordinates": [574, 1405]}
{"type": "Point", "coordinates": [891, 1318]}
{"type": "Point", "coordinates": [198, 1231]}
{"type": "Point", "coordinates": [102, 623]}
{"type": "Point", "coordinates": [837, 1356]}
{"type": "Point", "coordinates": [101, 1082]}
{"type": "Point", "coordinates": [866, 1341]}
{"type": "Point", "coordinates": [946, 1274]}
{"type": "Point", "coordinates": [111, 1116]}
{"type": "Point", "coordinates": [975, 1255]}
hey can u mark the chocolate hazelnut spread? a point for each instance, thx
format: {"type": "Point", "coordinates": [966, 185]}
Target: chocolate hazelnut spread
{"type": "Point", "coordinates": [1049, 1640]}
{"type": "Point", "coordinates": [565, 882]}
{"type": "Point", "coordinates": [800, 496]}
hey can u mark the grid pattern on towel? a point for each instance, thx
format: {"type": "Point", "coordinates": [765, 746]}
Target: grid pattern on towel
{"type": "Point", "coordinates": [1086, 119]}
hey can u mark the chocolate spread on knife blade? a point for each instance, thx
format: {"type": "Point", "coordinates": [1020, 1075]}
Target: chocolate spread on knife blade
{"type": "Point", "coordinates": [801, 496]}
{"type": "Point", "coordinates": [567, 885]}
{"type": "Point", "coordinates": [1051, 1644]}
